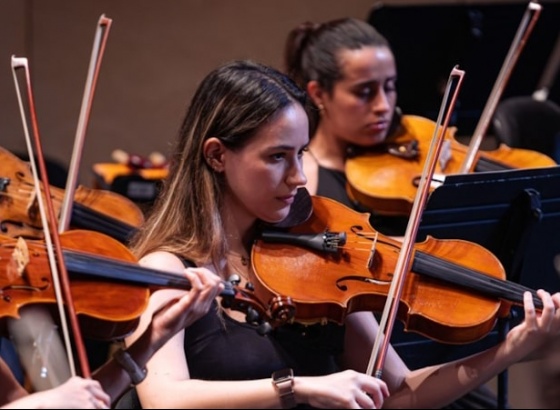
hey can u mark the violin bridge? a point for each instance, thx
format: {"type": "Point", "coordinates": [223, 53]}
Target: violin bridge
{"type": "Point", "coordinates": [372, 251]}
{"type": "Point", "coordinates": [19, 260]}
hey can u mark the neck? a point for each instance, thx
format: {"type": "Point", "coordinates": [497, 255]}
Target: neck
{"type": "Point", "coordinates": [239, 226]}
{"type": "Point", "coordinates": [328, 150]}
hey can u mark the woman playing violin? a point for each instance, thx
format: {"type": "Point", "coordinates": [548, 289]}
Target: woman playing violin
{"type": "Point", "coordinates": [111, 380]}
{"type": "Point", "coordinates": [349, 71]}
{"type": "Point", "coordinates": [237, 164]}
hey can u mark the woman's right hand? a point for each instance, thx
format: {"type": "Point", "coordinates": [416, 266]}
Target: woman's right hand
{"type": "Point", "coordinates": [344, 390]}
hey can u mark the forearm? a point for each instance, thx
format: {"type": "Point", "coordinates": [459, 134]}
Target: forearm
{"type": "Point", "coordinates": [451, 380]}
{"type": "Point", "coordinates": [192, 393]}
{"type": "Point", "coordinates": [114, 378]}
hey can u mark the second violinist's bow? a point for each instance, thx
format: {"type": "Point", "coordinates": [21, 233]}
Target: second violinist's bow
{"type": "Point", "coordinates": [525, 28]}
{"type": "Point", "coordinates": [377, 359]}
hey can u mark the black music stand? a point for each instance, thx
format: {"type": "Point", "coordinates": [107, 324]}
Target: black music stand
{"type": "Point", "coordinates": [515, 214]}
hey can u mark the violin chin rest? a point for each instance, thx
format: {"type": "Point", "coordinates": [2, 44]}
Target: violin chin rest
{"type": "Point", "coordinates": [301, 210]}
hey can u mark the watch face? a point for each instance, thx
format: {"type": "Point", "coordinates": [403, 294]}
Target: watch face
{"type": "Point", "coordinates": [282, 375]}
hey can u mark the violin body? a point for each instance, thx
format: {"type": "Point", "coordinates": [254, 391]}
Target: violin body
{"type": "Point", "coordinates": [327, 286]}
{"type": "Point", "coordinates": [19, 208]}
{"type": "Point", "coordinates": [387, 183]}
{"type": "Point", "coordinates": [107, 309]}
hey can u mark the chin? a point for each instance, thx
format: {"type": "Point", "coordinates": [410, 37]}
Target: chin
{"type": "Point", "coordinates": [370, 140]}
{"type": "Point", "coordinates": [276, 217]}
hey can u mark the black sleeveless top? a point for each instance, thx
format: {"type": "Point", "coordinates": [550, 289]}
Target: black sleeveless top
{"type": "Point", "coordinates": [218, 347]}
{"type": "Point", "coordinates": [332, 184]}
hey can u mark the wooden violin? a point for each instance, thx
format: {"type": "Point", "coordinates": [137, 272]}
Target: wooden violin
{"type": "Point", "coordinates": [103, 272]}
{"type": "Point", "coordinates": [385, 179]}
{"type": "Point", "coordinates": [101, 210]}
{"type": "Point", "coordinates": [335, 263]}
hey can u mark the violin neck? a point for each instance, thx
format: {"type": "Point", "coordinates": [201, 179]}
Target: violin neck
{"type": "Point", "coordinates": [114, 269]}
{"type": "Point", "coordinates": [437, 268]}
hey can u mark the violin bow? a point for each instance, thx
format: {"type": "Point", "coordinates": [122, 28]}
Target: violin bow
{"type": "Point", "coordinates": [59, 273]}
{"type": "Point", "coordinates": [99, 42]}
{"type": "Point", "coordinates": [377, 358]}
{"type": "Point", "coordinates": [549, 73]}
{"type": "Point", "coordinates": [525, 28]}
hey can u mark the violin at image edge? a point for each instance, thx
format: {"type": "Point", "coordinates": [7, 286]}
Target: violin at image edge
{"type": "Point", "coordinates": [103, 210]}
{"type": "Point", "coordinates": [386, 180]}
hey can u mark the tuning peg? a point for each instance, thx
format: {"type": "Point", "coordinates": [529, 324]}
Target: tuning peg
{"type": "Point", "coordinates": [234, 279]}
{"type": "Point", "coordinates": [252, 316]}
{"type": "Point", "coordinates": [264, 328]}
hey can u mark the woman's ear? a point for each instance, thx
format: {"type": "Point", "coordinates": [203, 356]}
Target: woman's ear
{"type": "Point", "coordinates": [315, 92]}
{"type": "Point", "coordinates": [213, 150]}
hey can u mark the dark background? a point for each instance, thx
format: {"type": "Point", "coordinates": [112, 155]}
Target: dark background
{"type": "Point", "coordinates": [428, 41]}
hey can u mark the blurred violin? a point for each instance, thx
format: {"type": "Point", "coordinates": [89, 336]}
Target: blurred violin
{"type": "Point", "coordinates": [101, 210]}
{"type": "Point", "coordinates": [101, 270]}
{"type": "Point", "coordinates": [335, 263]}
{"type": "Point", "coordinates": [385, 178]}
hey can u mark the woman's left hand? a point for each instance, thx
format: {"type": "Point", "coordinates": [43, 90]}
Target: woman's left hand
{"type": "Point", "coordinates": [537, 327]}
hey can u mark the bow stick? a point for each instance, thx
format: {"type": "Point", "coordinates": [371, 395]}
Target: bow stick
{"type": "Point", "coordinates": [99, 42]}
{"type": "Point", "coordinates": [525, 28]}
{"type": "Point", "coordinates": [389, 315]}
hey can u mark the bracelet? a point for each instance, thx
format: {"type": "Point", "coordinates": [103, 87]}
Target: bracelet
{"type": "Point", "coordinates": [283, 381]}
{"type": "Point", "coordinates": [136, 374]}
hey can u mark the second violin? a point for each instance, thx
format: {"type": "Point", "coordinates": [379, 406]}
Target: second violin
{"type": "Point", "coordinates": [385, 179]}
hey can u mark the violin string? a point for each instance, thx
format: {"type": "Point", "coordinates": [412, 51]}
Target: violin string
{"type": "Point", "coordinates": [483, 283]}
{"type": "Point", "coordinates": [126, 269]}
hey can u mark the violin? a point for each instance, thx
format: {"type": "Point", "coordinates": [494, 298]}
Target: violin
{"type": "Point", "coordinates": [385, 179]}
{"type": "Point", "coordinates": [102, 272]}
{"type": "Point", "coordinates": [335, 263]}
{"type": "Point", "coordinates": [101, 210]}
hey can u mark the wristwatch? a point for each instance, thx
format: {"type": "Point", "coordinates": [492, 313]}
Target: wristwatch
{"type": "Point", "coordinates": [283, 381]}
{"type": "Point", "coordinates": [124, 359]}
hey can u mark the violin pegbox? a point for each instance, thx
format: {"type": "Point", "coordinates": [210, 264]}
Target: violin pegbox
{"type": "Point", "coordinates": [243, 300]}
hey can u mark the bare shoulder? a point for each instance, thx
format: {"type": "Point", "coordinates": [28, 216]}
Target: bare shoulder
{"type": "Point", "coordinates": [162, 261]}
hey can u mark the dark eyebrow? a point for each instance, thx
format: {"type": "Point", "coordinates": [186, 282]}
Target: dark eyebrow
{"type": "Point", "coordinates": [287, 147]}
